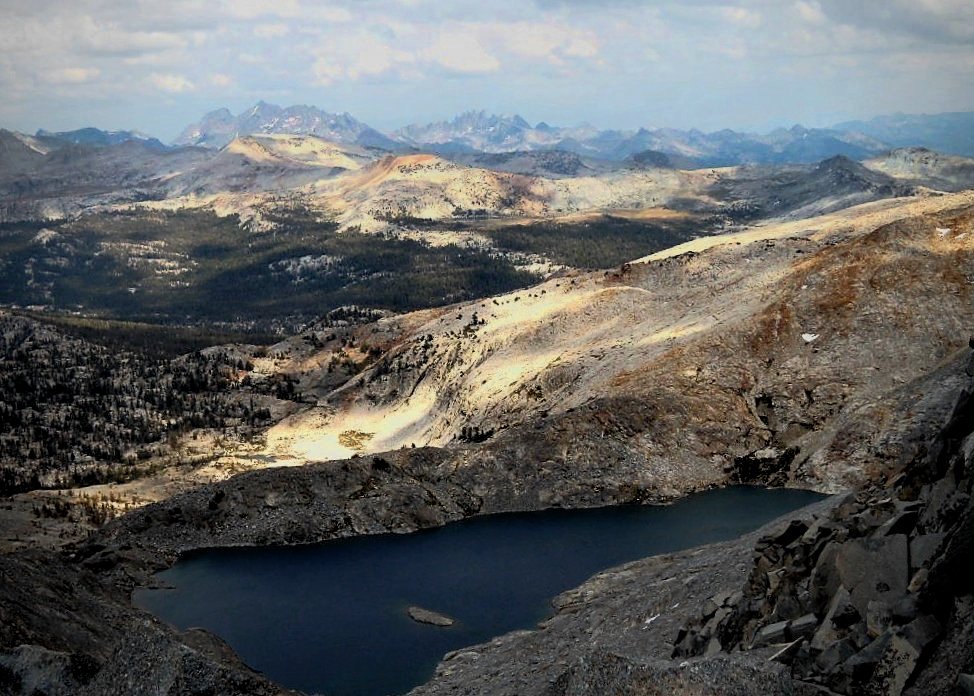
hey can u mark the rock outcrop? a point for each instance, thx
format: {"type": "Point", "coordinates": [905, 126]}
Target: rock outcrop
{"type": "Point", "coordinates": [874, 596]}
{"type": "Point", "coordinates": [427, 616]}
{"type": "Point", "coordinates": [66, 630]}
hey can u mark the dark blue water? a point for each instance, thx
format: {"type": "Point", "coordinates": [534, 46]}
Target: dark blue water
{"type": "Point", "coordinates": [330, 618]}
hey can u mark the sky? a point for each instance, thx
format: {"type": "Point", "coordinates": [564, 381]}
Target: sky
{"type": "Point", "coordinates": [744, 64]}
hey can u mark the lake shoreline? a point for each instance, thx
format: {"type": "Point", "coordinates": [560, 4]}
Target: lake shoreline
{"type": "Point", "coordinates": [490, 574]}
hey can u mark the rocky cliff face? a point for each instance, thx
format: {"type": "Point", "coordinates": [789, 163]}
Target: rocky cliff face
{"type": "Point", "coordinates": [871, 597]}
{"type": "Point", "coordinates": [66, 630]}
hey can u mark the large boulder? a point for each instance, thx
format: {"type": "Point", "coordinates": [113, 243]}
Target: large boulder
{"type": "Point", "coordinates": [875, 569]}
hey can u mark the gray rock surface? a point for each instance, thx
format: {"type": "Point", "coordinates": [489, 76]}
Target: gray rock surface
{"type": "Point", "coordinates": [879, 630]}
{"type": "Point", "coordinates": [67, 630]}
{"type": "Point", "coordinates": [426, 616]}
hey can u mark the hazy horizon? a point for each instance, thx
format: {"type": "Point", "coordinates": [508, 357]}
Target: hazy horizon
{"type": "Point", "coordinates": [749, 65]}
{"type": "Point", "coordinates": [785, 124]}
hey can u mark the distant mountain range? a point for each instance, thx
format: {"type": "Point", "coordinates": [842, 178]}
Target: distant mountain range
{"type": "Point", "coordinates": [95, 136]}
{"type": "Point", "coordinates": [477, 132]}
{"type": "Point", "coordinates": [949, 133]}
{"type": "Point", "coordinates": [481, 132]}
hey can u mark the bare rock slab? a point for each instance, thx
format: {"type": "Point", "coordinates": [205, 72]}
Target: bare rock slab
{"type": "Point", "coordinates": [426, 616]}
{"type": "Point", "coordinates": [874, 569]}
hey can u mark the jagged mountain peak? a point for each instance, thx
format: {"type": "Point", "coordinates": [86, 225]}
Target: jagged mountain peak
{"type": "Point", "coordinates": [221, 113]}
{"type": "Point", "coordinates": [478, 130]}
{"type": "Point", "coordinates": [218, 128]}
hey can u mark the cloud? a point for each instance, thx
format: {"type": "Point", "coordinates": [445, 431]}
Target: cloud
{"type": "Point", "coordinates": [741, 16]}
{"type": "Point", "coordinates": [253, 9]}
{"type": "Point", "coordinates": [461, 52]}
{"type": "Point", "coordinates": [336, 15]}
{"type": "Point", "coordinates": [221, 80]}
{"type": "Point", "coordinates": [939, 20]}
{"type": "Point", "coordinates": [551, 41]}
{"type": "Point", "coordinates": [356, 56]}
{"type": "Point", "coordinates": [169, 82]}
{"type": "Point", "coordinates": [326, 71]}
{"type": "Point", "coordinates": [92, 37]}
{"type": "Point", "coordinates": [72, 76]}
{"type": "Point", "coordinates": [810, 12]}
{"type": "Point", "coordinates": [271, 31]}
{"type": "Point", "coordinates": [405, 50]}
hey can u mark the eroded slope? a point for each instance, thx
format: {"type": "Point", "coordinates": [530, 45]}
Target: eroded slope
{"type": "Point", "coordinates": [759, 351]}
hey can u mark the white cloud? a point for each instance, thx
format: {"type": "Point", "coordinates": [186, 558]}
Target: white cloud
{"type": "Point", "coordinates": [220, 80]}
{"type": "Point", "coordinates": [742, 17]}
{"type": "Point", "coordinates": [582, 48]}
{"type": "Point", "coordinates": [810, 12]}
{"type": "Point", "coordinates": [93, 37]}
{"type": "Point", "coordinates": [943, 20]}
{"type": "Point", "coordinates": [326, 71]}
{"type": "Point", "coordinates": [335, 15]}
{"type": "Point", "coordinates": [549, 40]}
{"type": "Point", "coordinates": [72, 76]}
{"type": "Point", "coordinates": [374, 57]}
{"type": "Point", "coordinates": [461, 53]}
{"type": "Point", "coordinates": [253, 9]}
{"type": "Point", "coordinates": [356, 56]}
{"type": "Point", "coordinates": [172, 83]}
{"type": "Point", "coordinates": [391, 46]}
{"type": "Point", "coordinates": [271, 31]}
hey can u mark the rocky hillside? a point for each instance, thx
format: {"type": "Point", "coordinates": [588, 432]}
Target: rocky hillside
{"type": "Point", "coordinates": [777, 350]}
{"type": "Point", "coordinates": [425, 189]}
{"type": "Point", "coordinates": [18, 154]}
{"type": "Point", "coordinates": [551, 164]}
{"type": "Point", "coordinates": [368, 190]}
{"type": "Point", "coordinates": [927, 168]}
{"type": "Point", "coordinates": [422, 189]}
{"type": "Point", "coordinates": [81, 636]}
{"type": "Point", "coordinates": [268, 163]}
{"type": "Point", "coordinates": [72, 178]}
{"type": "Point", "coordinates": [809, 190]}
{"type": "Point", "coordinates": [76, 412]}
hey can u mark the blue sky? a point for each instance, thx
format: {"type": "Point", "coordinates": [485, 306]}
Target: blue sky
{"type": "Point", "coordinates": [744, 64]}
